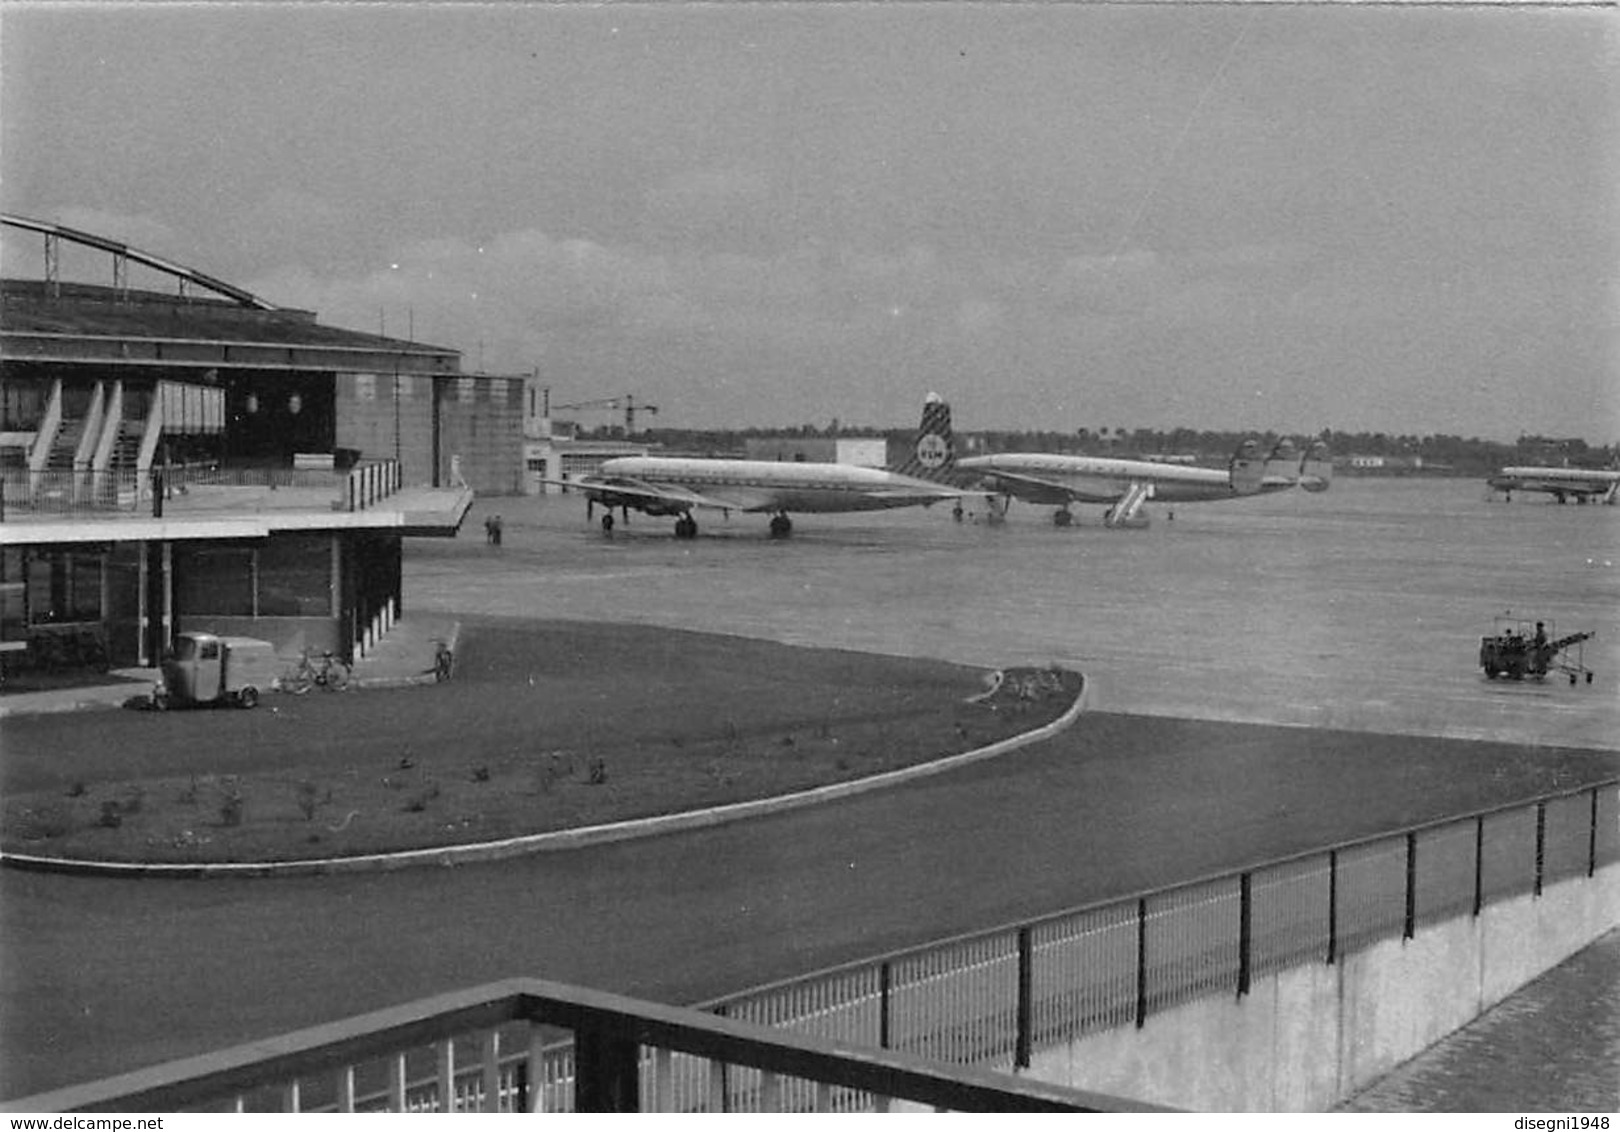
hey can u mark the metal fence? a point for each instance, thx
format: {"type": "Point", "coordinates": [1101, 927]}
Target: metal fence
{"type": "Point", "coordinates": [193, 488]}
{"type": "Point", "coordinates": [527, 1045]}
{"type": "Point", "coordinates": [850, 1038]}
{"type": "Point", "coordinates": [991, 998]}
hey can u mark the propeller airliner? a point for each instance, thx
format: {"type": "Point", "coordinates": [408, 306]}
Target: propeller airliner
{"type": "Point", "coordinates": [678, 486]}
{"type": "Point", "coordinates": [1125, 486]}
{"type": "Point", "coordinates": [1584, 485]}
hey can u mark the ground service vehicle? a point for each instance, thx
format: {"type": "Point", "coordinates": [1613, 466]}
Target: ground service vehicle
{"type": "Point", "coordinates": [1519, 647]}
{"type": "Point", "coordinates": [206, 669]}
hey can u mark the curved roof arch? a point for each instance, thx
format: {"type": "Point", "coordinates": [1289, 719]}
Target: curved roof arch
{"type": "Point", "coordinates": [124, 252]}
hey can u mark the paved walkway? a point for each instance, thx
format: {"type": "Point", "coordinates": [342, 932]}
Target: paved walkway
{"type": "Point", "coordinates": [1551, 1047]}
{"type": "Point", "coordinates": [404, 656]}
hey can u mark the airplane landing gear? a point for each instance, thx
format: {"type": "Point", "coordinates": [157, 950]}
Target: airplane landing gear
{"type": "Point", "coordinates": [607, 523]}
{"type": "Point", "coordinates": [1062, 517]}
{"type": "Point", "coordinates": [781, 526]}
{"type": "Point", "coordinates": [686, 527]}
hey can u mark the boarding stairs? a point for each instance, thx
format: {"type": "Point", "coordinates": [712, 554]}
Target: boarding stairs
{"type": "Point", "coordinates": [1127, 512]}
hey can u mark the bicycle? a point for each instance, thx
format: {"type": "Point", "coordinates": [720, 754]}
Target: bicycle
{"type": "Point", "coordinates": [328, 673]}
{"type": "Point", "coordinates": [443, 661]}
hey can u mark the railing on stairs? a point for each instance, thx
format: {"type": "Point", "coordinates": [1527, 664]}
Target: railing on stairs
{"type": "Point", "coordinates": [89, 436]}
{"type": "Point", "coordinates": [45, 439]}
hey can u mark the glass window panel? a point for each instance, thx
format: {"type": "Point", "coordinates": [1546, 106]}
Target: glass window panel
{"type": "Point", "coordinates": [214, 581]}
{"type": "Point", "coordinates": [295, 577]}
{"type": "Point", "coordinates": [84, 587]}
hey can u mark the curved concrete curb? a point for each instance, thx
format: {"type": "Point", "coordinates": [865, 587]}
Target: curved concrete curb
{"type": "Point", "coordinates": [563, 838]}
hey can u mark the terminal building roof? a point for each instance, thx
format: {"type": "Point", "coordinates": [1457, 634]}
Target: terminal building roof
{"type": "Point", "coordinates": [76, 322]}
{"type": "Point", "coordinates": [206, 323]}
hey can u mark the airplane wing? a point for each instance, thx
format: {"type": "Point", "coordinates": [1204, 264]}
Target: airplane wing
{"type": "Point", "coordinates": [655, 499]}
{"type": "Point", "coordinates": [1028, 488]}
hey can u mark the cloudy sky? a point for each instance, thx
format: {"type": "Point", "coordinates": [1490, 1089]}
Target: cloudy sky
{"type": "Point", "coordinates": [1056, 215]}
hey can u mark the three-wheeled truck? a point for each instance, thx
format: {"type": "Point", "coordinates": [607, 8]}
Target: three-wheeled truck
{"type": "Point", "coordinates": [205, 669]}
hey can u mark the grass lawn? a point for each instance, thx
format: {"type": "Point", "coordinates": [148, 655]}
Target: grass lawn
{"type": "Point", "coordinates": [547, 726]}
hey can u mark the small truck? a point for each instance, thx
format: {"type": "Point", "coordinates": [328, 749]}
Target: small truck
{"type": "Point", "coordinates": [208, 669]}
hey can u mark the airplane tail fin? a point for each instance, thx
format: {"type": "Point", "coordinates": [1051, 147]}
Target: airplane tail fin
{"type": "Point", "coordinates": [933, 452]}
{"type": "Point", "coordinates": [1316, 468]}
{"type": "Point", "coordinates": [1282, 465]}
{"type": "Point", "coordinates": [1248, 468]}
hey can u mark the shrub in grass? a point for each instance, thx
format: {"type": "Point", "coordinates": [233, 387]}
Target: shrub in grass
{"type": "Point", "coordinates": [309, 799]}
{"type": "Point", "coordinates": [43, 824]}
{"type": "Point", "coordinates": [419, 802]}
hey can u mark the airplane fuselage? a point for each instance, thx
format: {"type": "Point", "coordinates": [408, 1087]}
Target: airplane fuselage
{"type": "Point", "coordinates": [773, 486]}
{"type": "Point", "coordinates": [1574, 483]}
{"type": "Point", "coordinates": [1105, 480]}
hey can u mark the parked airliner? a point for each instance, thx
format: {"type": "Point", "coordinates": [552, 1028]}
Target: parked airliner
{"type": "Point", "coordinates": [669, 485]}
{"type": "Point", "coordinates": [1125, 486]}
{"type": "Point", "coordinates": [1580, 484]}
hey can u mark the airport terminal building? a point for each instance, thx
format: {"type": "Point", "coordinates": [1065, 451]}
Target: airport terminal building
{"type": "Point", "coordinates": [204, 460]}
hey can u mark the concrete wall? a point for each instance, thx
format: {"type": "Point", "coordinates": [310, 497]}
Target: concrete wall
{"type": "Point", "coordinates": [480, 422]}
{"type": "Point", "coordinates": [1309, 1037]}
{"type": "Point", "coordinates": [370, 417]}
{"type": "Point", "coordinates": [289, 635]}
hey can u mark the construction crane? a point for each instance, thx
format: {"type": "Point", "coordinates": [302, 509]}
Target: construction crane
{"type": "Point", "coordinates": [611, 404]}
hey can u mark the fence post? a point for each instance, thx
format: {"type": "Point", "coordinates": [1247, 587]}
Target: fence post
{"type": "Point", "coordinates": [1333, 907]}
{"type": "Point", "coordinates": [1141, 962]}
{"type": "Point", "coordinates": [1591, 836]}
{"type": "Point", "coordinates": [1541, 841]}
{"type": "Point", "coordinates": [1479, 864]}
{"type": "Point", "coordinates": [1245, 931]}
{"type": "Point", "coordinates": [607, 1072]}
{"type": "Point", "coordinates": [157, 492]}
{"type": "Point", "coordinates": [1026, 1004]}
{"type": "Point", "coordinates": [1409, 928]}
{"type": "Point", "coordinates": [885, 980]}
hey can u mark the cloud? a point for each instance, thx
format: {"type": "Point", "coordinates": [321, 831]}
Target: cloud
{"type": "Point", "coordinates": [707, 193]}
{"type": "Point", "coordinates": [523, 286]}
{"type": "Point", "coordinates": [1109, 284]}
{"type": "Point", "coordinates": [287, 225]}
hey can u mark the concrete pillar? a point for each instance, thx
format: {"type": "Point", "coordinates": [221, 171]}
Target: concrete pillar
{"type": "Point", "coordinates": [607, 1073]}
{"type": "Point", "coordinates": [167, 582]}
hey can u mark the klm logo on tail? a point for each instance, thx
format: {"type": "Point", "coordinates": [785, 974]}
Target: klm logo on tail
{"type": "Point", "coordinates": [933, 456]}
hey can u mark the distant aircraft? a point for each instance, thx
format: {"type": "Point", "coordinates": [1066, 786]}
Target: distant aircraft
{"type": "Point", "coordinates": [668, 485]}
{"type": "Point", "coordinates": [1127, 485]}
{"type": "Point", "coordinates": [1580, 484]}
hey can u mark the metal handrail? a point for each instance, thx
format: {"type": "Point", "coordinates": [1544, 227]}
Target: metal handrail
{"type": "Point", "coordinates": [1400, 832]}
{"type": "Point", "coordinates": [613, 1027]}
